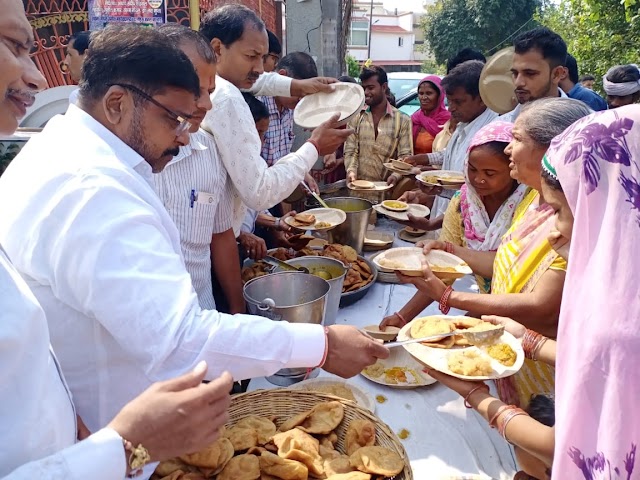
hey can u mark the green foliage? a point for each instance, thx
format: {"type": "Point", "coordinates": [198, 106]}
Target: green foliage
{"type": "Point", "coordinates": [353, 67]}
{"type": "Point", "coordinates": [487, 25]}
{"type": "Point", "coordinates": [599, 33]}
{"type": "Point", "coordinates": [431, 66]}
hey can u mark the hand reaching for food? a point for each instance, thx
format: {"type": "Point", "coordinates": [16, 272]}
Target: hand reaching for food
{"type": "Point", "coordinates": [391, 321]}
{"type": "Point", "coordinates": [254, 246]}
{"type": "Point", "coordinates": [351, 177]}
{"type": "Point", "coordinates": [350, 351]}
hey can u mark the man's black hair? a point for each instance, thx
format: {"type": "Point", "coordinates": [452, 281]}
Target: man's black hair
{"type": "Point", "coordinates": [258, 109]}
{"type": "Point", "coordinates": [624, 74]}
{"type": "Point", "coordinates": [551, 45]}
{"type": "Point", "coordinates": [464, 55]}
{"type": "Point", "coordinates": [275, 47]}
{"type": "Point", "coordinates": [374, 71]}
{"type": "Point", "coordinates": [542, 409]}
{"type": "Point", "coordinates": [587, 77]}
{"type": "Point", "coordinates": [347, 79]}
{"type": "Point", "coordinates": [135, 55]}
{"type": "Point", "coordinates": [299, 65]}
{"type": "Point", "coordinates": [80, 41]}
{"type": "Point", "coordinates": [466, 75]}
{"type": "Point", "coordinates": [228, 23]}
{"type": "Point", "coordinates": [572, 68]}
{"type": "Point", "coordinates": [179, 34]}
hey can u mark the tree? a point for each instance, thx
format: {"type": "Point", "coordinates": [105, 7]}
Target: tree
{"type": "Point", "coordinates": [487, 25]}
{"type": "Point", "coordinates": [599, 33]}
{"type": "Point", "coordinates": [353, 67]}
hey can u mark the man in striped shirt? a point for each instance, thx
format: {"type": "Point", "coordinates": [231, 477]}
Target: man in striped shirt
{"type": "Point", "coordinates": [197, 192]}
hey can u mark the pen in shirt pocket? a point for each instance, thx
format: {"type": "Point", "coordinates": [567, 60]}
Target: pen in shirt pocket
{"type": "Point", "coordinates": [192, 198]}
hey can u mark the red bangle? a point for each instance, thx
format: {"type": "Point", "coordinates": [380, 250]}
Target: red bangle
{"type": "Point", "coordinates": [502, 429]}
{"type": "Point", "coordinates": [315, 144]}
{"type": "Point", "coordinates": [473, 390]}
{"type": "Point", "coordinates": [531, 343]}
{"type": "Point", "coordinates": [444, 300]}
{"type": "Point", "coordinates": [448, 247]}
{"type": "Point", "coordinates": [404, 322]}
{"type": "Point", "coordinates": [500, 411]}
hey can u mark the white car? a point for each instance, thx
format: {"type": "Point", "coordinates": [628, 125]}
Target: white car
{"type": "Point", "coordinates": [401, 83]}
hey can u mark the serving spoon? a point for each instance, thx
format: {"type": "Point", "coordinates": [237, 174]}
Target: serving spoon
{"type": "Point", "coordinates": [474, 338]}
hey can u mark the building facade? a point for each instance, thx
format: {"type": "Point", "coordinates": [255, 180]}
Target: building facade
{"type": "Point", "coordinates": [387, 37]}
{"type": "Point", "coordinates": [53, 21]}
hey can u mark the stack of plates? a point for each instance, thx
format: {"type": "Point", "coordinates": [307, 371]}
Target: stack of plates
{"type": "Point", "coordinates": [347, 99]}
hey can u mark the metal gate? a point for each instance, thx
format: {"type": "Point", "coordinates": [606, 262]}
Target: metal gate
{"type": "Point", "coordinates": [53, 21]}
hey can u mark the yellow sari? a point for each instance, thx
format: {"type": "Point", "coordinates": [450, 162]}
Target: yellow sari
{"type": "Point", "coordinates": [523, 257]}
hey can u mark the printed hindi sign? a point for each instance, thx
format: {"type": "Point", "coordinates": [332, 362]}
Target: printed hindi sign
{"type": "Point", "coordinates": [145, 12]}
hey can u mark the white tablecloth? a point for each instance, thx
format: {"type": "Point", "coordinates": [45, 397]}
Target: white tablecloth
{"type": "Point", "coordinates": [446, 439]}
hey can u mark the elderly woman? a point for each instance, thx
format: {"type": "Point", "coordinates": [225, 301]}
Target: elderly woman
{"type": "Point", "coordinates": [527, 274]}
{"type": "Point", "coordinates": [482, 211]}
{"type": "Point", "coordinates": [598, 425]}
{"type": "Point", "coordinates": [429, 120]}
{"type": "Point", "coordinates": [622, 85]}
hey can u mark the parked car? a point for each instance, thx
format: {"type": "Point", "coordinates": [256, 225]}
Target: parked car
{"type": "Point", "coordinates": [409, 103]}
{"type": "Point", "coordinates": [401, 83]}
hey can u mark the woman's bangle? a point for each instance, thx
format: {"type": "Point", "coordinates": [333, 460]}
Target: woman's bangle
{"type": "Point", "coordinates": [502, 429]}
{"type": "Point", "coordinates": [444, 300]}
{"type": "Point", "coordinates": [531, 343]}
{"type": "Point", "coordinates": [500, 411]}
{"type": "Point", "coordinates": [473, 390]}
{"type": "Point", "coordinates": [448, 247]}
{"type": "Point", "coordinates": [402, 319]}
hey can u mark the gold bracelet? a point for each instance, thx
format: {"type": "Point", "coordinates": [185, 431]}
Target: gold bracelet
{"type": "Point", "coordinates": [138, 458]}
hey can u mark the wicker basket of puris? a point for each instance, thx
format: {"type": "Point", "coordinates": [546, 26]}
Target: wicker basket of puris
{"type": "Point", "coordinates": [282, 404]}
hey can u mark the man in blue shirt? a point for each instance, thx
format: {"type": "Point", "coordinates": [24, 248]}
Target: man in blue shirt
{"type": "Point", "coordinates": [572, 87]}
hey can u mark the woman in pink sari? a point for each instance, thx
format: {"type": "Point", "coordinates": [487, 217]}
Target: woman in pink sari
{"type": "Point", "coordinates": [429, 120]}
{"type": "Point", "coordinates": [591, 179]}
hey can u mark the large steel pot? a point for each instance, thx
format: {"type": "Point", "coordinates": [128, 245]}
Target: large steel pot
{"type": "Point", "coordinates": [333, 267]}
{"type": "Point", "coordinates": [354, 228]}
{"type": "Point", "coordinates": [291, 297]}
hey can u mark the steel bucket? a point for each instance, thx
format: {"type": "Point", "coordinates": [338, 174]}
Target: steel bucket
{"type": "Point", "coordinates": [354, 228]}
{"type": "Point", "coordinates": [337, 270]}
{"type": "Point", "coordinates": [291, 297]}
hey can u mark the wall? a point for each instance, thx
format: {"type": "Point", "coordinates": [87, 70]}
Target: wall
{"type": "Point", "coordinates": [384, 46]}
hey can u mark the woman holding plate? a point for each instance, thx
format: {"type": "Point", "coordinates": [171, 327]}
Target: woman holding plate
{"type": "Point", "coordinates": [527, 274]}
{"type": "Point", "coordinates": [591, 181]}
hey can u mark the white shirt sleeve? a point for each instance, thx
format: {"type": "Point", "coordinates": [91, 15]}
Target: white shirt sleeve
{"type": "Point", "coordinates": [260, 187]}
{"type": "Point", "coordinates": [99, 457]}
{"type": "Point", "coordinates": [141, 293]}
{"type": "Point", "coordinates": [272, 84]}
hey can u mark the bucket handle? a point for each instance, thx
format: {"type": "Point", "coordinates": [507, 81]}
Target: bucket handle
{"type": "Point", "coordinates": [267, 305]}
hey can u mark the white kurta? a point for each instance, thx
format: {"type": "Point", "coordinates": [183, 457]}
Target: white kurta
{"type": "Point", "coordinates": [85, 228]}
{"type": "Point", "coordinates": [37, 419]}
{"type": "Point", "coordinates": [257, 185]}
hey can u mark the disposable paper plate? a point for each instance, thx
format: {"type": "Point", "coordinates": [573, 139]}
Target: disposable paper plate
{"type": "Point", "coordinates": [496, 82]}
{"type": "Point", "coordinates": [400, 360]}
{"type": "Point", "coordinates": [415, 209]}
{"type": "Point", "coordinates": [377, 187]}
{"type": "Point", "coordinates": [446, 179]}
{"type": "Point", "coordinates": [400, 165]}
{"type": "Point", "coordinates": [331, 216]}
{"type": "Point", "coordinates": [347, 99]}
{"type": "Point", "coordinates": [378, 240]}
{"type": "Point", "coordinates": [437, 358]}
{"type": "Point", "coordinates": [387, 335]}
{"type": "Point", "coordinates": [408, 260]}
{"type": "Point", "coordinates": [363, 397]}
{"type": "Point", "coordinates": [395, 205]}
{"type": "Point", "coordinates": [391, 167]}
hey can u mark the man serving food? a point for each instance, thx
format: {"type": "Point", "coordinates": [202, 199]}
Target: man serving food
{"type": "Point", "coordinates": [103, 257]}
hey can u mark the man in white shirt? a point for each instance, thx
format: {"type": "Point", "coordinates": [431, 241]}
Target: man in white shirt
{"type": "Point", "coordinates": [538, 67]}
{"type": "Point", "coordinates": [195, 189]}
{"type": "Point", "coordinates": [38, 424]}
{"type": "Point", "coordinates": [461, 86]}
{"type": "Point", "coordinates": [103, 257]}
{"type": "Point", "coordinates": [240, 41]}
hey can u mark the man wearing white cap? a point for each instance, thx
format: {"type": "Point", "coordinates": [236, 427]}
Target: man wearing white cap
{"type": "Point", "coordinates": [622, 85]}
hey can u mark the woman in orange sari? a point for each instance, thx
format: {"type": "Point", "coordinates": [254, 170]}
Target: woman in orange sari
{"type": "Point", "coordinates": [429, 120]}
